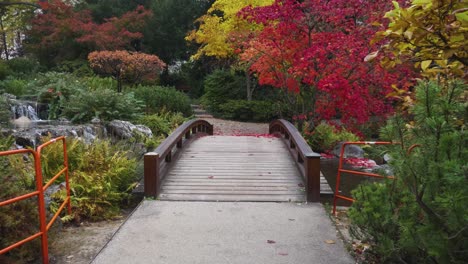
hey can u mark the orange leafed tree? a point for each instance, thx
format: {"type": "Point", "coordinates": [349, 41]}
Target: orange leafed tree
{"type": "Point", "coordinates": [133, 67]}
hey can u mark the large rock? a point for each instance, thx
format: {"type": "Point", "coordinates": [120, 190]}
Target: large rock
{"type": "Point", "coordinates": [32, 136]}
{"type": "Point", "coordinates": [350, 151]}
{"type": "Point", "coordinates": [126, 130]}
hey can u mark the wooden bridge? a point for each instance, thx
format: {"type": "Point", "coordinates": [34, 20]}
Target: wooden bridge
{"type": "Point", "coordinates": [193, 165]}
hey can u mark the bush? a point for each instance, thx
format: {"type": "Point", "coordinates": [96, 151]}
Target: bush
{"type": "Point", "coordinates": [220, 87]}
{"type": "Point", "coordinates": [163, 123]}
{"type": "Point", "coordinates": [325, 136]}
{"type": "Point", "coordinates": [103, 104]}
{"type": "Point", "coordinates": [55, 89]}
{"type": "Point", "coordinates": [14, 86]}
{"type": "Point", "coordinates": [101, 177]}
{"type": "Point", "coordinates": [244, 110]}
{"type": "Point", "coordinates": [23, 66]}
{"type": "Point", "coordinates": [157, 99]}
{"type": "Point", "coordinates": [421, 217]}
{"type": "Point", "coordinates": [5, 71]}
{"type": "Point", "coordinates": [100, 83]}
{"type": "Point", "coordinates": [78, 67]}
{"type": "Point", "coordinates": [5, 114]}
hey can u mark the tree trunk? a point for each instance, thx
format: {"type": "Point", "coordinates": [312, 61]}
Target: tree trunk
{"type": "Point", "coordinates": [249, 86]}
{"type": "Point", "coordinates": [119, 84]}
{"type": "Point", "coordinates": [4, 40]}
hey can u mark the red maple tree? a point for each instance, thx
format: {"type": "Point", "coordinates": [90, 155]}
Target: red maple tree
{"type": "Point", "coordinates": [61, 29]}
{"type": "Point", "coordinates": [316, 49]}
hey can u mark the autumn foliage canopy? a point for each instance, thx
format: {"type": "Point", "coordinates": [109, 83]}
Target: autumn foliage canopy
{"type": "Point", "coordinates": [315, 50]}
{"type": "Point", "coordinates": [319, 47]}
{"type": "Point", "coordinates": [61, 30]}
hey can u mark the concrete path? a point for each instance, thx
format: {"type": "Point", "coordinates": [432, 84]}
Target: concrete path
{"type": "Point", "coordinates": [225, 232]}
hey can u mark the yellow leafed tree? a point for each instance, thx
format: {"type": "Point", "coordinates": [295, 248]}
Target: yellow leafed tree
{"type": "Point", "coordinates": [220, 24]}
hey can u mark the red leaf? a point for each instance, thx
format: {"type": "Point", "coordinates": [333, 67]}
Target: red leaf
{"type": "Point", "coordinates": [271, 241]}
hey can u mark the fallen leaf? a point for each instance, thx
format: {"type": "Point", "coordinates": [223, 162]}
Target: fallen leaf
{"type": "Point", "coordinates": [329, 241]}
{"type": "Point", "coordinates": [292, 219]}
{"type": "Point", "coordinates": [210, 177]}
{"type": "Point", "coordinates": [282, 253]}
{"type": "Point", "coordinates": [271, 241]}
{"type": "Point", "coordinates": [300, 185]}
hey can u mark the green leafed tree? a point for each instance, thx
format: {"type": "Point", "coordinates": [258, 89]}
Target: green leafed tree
{"type": "Point", "coordinates": [166, 31]}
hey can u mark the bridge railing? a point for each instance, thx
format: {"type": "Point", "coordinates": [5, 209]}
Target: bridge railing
{"type": "Point", "coordinates": [157, 163]}
{"type": "Point", "coordinates": [307, 160]}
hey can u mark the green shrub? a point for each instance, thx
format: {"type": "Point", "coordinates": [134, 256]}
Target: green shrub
{"type": "Point", "coordinates": [103, 104]}
{"type": "Point", "coordinates": [244, 110]}
{"type": "Point", "coordinates": [421, 217]}
{"type": "Point", "coordinates": [5, 114]}
{"type": "Point", "coordinates": [55, 89]}
{"type": "Point", "coordinates": [5, 71]}
{"type": "Point", "coordinates": [17, 219]}
{"type": "Point", "coordinates": [100, 83]}
{"type": "Point", "coordinates": [78, 67]}
{"type": "Point", "coordinates": [157, 98]}
{"type": "Point", "coordinates": [220, 87]}
{"type": "Point", "coordinates": [22, 66]}
{"type": "Point", "coordinates": [14, 86]}
{"type": "Point", "coordinates": [325, 136]}
{"type": "Point", "coordinates": [101, 177]}
{"type": "Point", "coordinates": [162, 123]}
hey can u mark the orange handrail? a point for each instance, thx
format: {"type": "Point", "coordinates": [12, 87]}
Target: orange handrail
{"type": "Point", "coordinates": [365, 174]}
{"type": "Point", "coordinates": [40, 189]}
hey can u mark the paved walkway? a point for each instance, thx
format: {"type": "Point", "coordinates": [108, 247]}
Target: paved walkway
{"type": "Point", "coordinates": [226, 232]}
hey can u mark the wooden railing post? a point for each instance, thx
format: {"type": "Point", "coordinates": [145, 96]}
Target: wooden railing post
{"type": "Point", "coordinates": [151, 171]}
{"type": "Point", "coordinates": [312, 171]}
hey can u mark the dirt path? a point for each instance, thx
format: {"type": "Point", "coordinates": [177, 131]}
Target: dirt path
{"type": "Point", "coordinates": [79, 245]}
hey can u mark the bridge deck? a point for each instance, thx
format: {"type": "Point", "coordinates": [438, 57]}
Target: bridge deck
{"type": "Point", "coordinates": [222, 168]}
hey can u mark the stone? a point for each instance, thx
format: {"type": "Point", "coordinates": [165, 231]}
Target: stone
{"type": "Point", "coordinates": [387, 158]}
{"type": "Point", "coordinates": [353, 151]}
{"type": "Point", "coordinates": [21, 122]}
{"type": "Point", "coordinates": [126, 130]}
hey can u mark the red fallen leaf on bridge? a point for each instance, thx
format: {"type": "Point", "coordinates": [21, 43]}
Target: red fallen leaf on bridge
{"type": "Point", "coordinates": [283, 254]}
{"type": "Point", "coordinates": [210, 177]}
{"type": "Point", "coordinates": [254, 135]}
{"type": "Point", "coordinates": [300, 185]}
{"type": "Point", "coordinates": [271, 241]}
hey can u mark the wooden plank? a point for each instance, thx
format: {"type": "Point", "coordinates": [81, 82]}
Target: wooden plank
{"type": "Point", "coordinates": [232, 198]}
{"type": "Point", "coordinates": [219, 168]}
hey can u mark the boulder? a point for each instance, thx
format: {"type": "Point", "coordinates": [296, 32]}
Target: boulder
{"type": "Point", "coordinates": [353, 151]}
{"type": "Point", "coordinates": [126, 130]}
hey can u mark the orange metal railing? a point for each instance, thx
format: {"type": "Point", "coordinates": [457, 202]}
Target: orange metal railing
{"type": "Point", "coordinates": [44, 226]}
{"type": "Point", "coordinates": [360, 173]}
